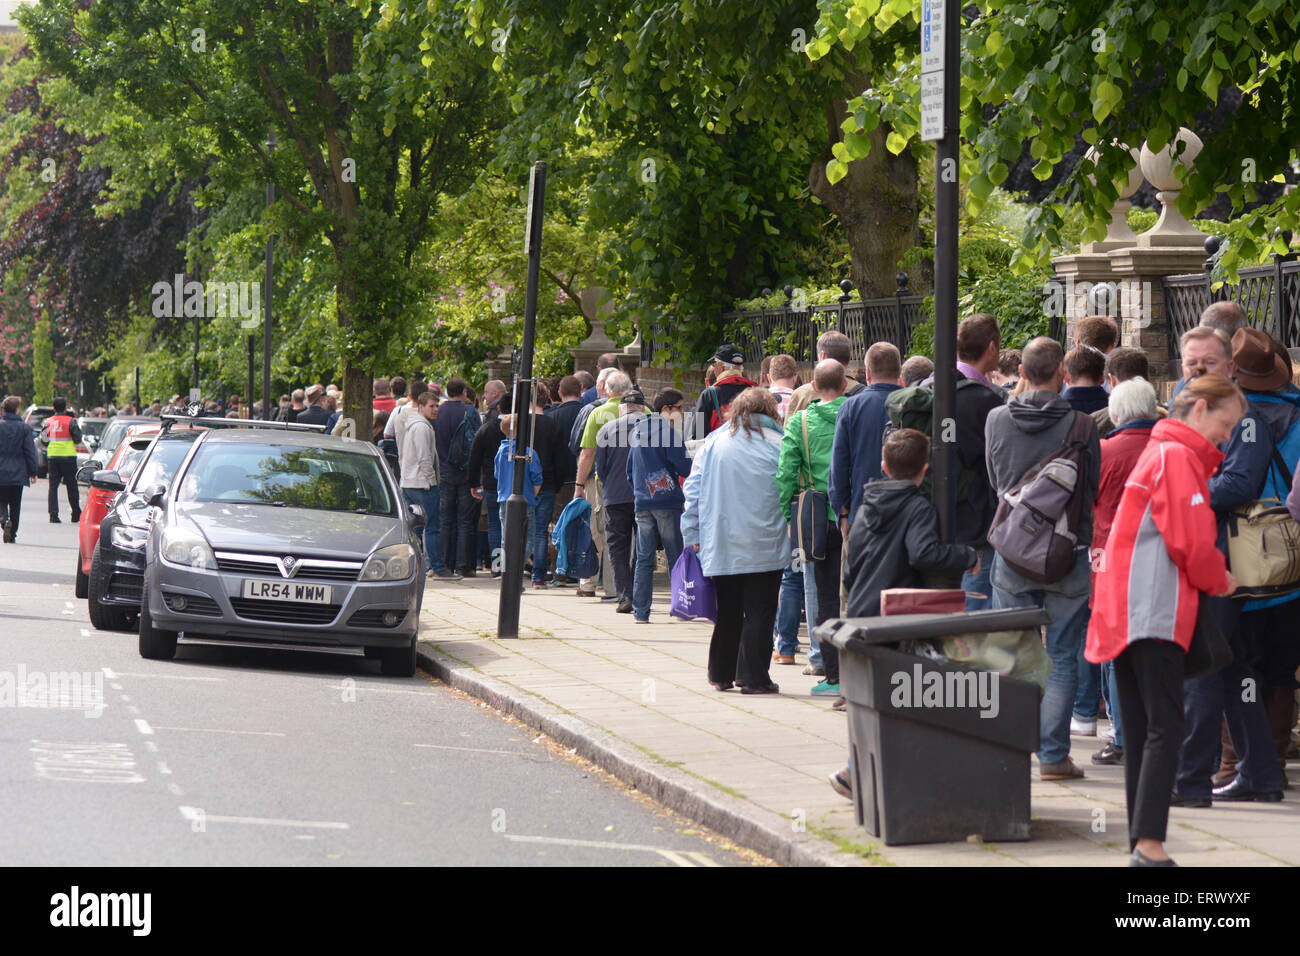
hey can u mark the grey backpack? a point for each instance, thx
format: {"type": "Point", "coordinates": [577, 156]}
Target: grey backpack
{"type": "Point", "coordinates": [1036, 527]}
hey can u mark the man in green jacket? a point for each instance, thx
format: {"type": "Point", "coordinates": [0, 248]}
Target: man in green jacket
{"type": "Point", "coordinates": [806, 463]}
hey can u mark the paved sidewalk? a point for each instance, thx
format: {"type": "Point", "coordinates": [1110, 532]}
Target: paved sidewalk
{"type": "Point", "coordinates": [635, 699]}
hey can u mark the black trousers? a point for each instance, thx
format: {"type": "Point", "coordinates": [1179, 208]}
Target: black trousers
{"type": "Point", "coordinates": [64, 468]}
{"type": "Point", "coordinates": [741, 648]}
{"type": "Point", "coordinates": [620, 541]}
{"type": "Point", "coordinates": [11, 503]}
{"type": "Point", "coordinates": [827, 575]}
{"type": "Point", "coordinates": [1149, 681]}
{"type": "Point", "coordinates": [458, 524]}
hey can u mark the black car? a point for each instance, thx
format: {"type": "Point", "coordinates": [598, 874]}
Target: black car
{"type": "Point", "coordinates": [117, 568]}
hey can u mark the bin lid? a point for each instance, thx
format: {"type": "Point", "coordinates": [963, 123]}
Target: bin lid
{"type": "Point", "coordinates": [844, 632]}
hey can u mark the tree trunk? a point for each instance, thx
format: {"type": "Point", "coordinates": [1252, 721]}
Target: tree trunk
{"type": "Point", "coordinates": [878, 204]}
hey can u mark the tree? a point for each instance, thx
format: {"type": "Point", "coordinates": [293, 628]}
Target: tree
{"type": "Point", "coordinates": [42, 362]}
{"type": "Point", "coordinates": [1038, 76]}
{"type": "Point", "coordinates": [380, 108]}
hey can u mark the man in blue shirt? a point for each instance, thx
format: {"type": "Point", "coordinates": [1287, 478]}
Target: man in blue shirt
{"type": "Point", "coordinates": [859, 432]}
{"type": "Point", "coordinates": [459, 508]}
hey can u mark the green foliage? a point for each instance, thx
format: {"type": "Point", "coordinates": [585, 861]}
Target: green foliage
{"type": "Point", "coordinates": [1016, 300]}
{"type": "Point", "coordinates": [42, 362]}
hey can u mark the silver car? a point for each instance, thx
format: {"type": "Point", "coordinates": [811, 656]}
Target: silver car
{"type": "Point", "coordinates": [283, 538]}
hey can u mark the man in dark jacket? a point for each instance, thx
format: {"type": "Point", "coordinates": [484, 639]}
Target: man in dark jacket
{"type": "Point", "coordinates": [1020, 434]}
{"type": "Point", "coordinates": [482, 466]}
{"type": "Point", "coordinates": [710, 412]}
{"type": "Point", "coordinates": [613, 444]}
{"type": "Point", "coordinates": [17, 465]}
{"type": "Point", "coordinates": [895, 533]}
{"type": "Point", "coordinates": [459, 508]}
{"type": "Point", "coordinates": [315, 413]}
{"type": "Point", "coordinates": [549, 444]}
{"type": "Point", "coordinates": [565, 414]}
{"type": "Point", "coordinates": [656, 467]}
{"type": "Point", "coordinates": [859, 433]}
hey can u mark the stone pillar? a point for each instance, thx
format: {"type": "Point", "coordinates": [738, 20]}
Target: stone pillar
{"type": "Point", "coordinates": [499, 365]}
{"type": "Point", "coordinates": [1140, 273]}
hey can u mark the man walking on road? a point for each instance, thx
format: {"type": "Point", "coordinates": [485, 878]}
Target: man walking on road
{"type": "Point", "coordinates": [61, 437]}
{"type": "Point", "coordinates": [17, 465]}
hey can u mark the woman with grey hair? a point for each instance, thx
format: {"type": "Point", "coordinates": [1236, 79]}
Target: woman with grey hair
{"type": "Point", "coordinates": [1133, 409]}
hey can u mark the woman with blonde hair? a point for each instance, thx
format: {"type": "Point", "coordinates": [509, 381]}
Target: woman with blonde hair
{"type": "Point", "coordinates": [733, 519]}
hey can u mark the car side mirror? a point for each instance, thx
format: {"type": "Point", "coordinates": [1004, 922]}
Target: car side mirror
{"type": "Point", "coordinates": [103, 479]}
{"type": "Point", "coordinates": [154, 495]}
{"type": "Point", "coordinates": [418, 518]}
{"type": "Point", "coordinates": [86, 472]}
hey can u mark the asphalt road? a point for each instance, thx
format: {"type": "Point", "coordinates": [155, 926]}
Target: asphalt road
{"type": "Point", "coordinates": [231, 756]}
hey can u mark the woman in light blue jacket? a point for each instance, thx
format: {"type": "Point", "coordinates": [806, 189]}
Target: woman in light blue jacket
{"type": "Point", "coordinates": [733, 519]}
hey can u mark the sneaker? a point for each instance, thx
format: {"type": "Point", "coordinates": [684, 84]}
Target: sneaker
{"type": "Point", "coordinates": [1064, 770]}
{"type": "Point", "coordinates": [841, 783]}
{"type": "Point", "coordinates": [783, 658]}
{"type": "Point", "coordinates": [1082, 727]}
{"type": "Point", "coordinates": [444, 575]}
{"type": "Point", "coordinates": [624, 607]}
{"type": "Point", "coordinates": [825, 690]}
{"type": "Point", "coordinates": [840, 704]}
{"type": "Point", "coordinates": [814, 670]}
{"type": "Point", "coordinates": [640, 620]}
{"type": "Point", "coordinates": [540, 585]}
{"type": "Point", "coordinates": [1109, 756]}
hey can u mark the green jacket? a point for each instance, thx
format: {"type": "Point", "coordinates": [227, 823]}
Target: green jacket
{"type": "Point", "coordinates": [794, 469]}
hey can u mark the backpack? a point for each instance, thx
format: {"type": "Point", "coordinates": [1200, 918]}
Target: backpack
{"type": "Point", "coordinates": [913, 407]}
{"type": "Point", "coordinates": [462, 440]}
{"type": "Point", "coordinates": [580, 426]}
{"type": "Point", "coordinates": [1036, 526]}
{"type": "Point", "coordinates": [717, 417]}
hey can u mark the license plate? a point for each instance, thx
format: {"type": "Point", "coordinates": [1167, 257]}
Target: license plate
{"type": "Point", "coordinates": [287, 591]}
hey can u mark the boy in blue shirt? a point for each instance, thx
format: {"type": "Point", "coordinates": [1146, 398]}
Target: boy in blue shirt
{"type": "Point", "coordinates": [504, 469]}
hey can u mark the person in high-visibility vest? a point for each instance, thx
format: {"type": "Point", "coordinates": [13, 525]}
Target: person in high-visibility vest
{"type": "Point", "coordinates": [61, 435]}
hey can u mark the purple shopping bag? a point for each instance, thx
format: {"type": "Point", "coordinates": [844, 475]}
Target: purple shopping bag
{"type": "Point", "coordinates": [693, 594]}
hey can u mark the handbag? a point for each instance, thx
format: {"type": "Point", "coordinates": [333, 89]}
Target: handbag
{"type": "Point", "coordinates": [1264, 546]}
{"type": "Point", "coordinates": [693, 593]}
{"type": "Point", "coordinates": [1209, 652]}
{"type": "Point", "coordinates": [810, 509]}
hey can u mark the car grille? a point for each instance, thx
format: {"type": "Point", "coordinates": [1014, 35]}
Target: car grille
{"type": "Point", "coordinates": [374, 617]}
{"type": "Point", "coordinates": [281, 612]}
{"type": "Point", "coordinates": [194, 604]}
{"type": "Point", "coordinates": [311, 569]}
{"type": "Point", "coordinates": [126, 585]}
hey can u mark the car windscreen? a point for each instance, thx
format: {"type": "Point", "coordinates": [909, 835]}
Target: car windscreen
{"type": "Point", "coordinates": [92, 428]}
{"type": "Point", "coordinates": [128, 460]}
{"type": "Point", "coordinates": [323, 479]}
{"type": "Point", "coordinates": [160, 467]}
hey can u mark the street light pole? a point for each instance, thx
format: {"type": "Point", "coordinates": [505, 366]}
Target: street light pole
{"type": "Point", "coordinates": [267, 404]}
{"type": "Point", "coordinates": [512, 577]}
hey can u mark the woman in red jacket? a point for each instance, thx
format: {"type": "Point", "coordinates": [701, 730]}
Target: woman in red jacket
{"type": "Point", "coordinates": [1160, 555]}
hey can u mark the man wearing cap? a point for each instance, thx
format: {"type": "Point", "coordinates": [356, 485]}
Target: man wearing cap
{"type": "Point", "coordinates": [315, 413]}
{"type": "Point", "coordinates": [710, 412]}
{"type": "Point", "coordinates": [612, 449]}
{"type": "Point", "coordinates": [1243, 476]}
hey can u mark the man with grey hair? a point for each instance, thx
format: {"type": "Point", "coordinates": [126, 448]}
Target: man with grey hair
{"type": "Point", "coordinates": [728, 363]}
{"type": "Point", "coordinates": [616, 385]}
{"type": "Point", "coordinates": [618, 500]}
{"type": "Point", "coordinates": [916, 370]}
{"type": "Point", "coordinates": [1226, 317]}
{"type": "Point", "coordinates": [493, 392]}
{"type": "Point", "coordinates": [1018, 435]}
{"type": "Point", "coordinates": [830, 345]}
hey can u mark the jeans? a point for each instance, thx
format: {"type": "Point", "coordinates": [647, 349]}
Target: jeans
{"type": "Point", "coordinates": [1111, 695]}
{"type": "Point", "coordinates": [1089, 692]}
{"type": "Point", "coordinates": [978, 588]}
{"type": "Point", "coordinates": [543, 511]}
{"type": "Point", "coordinates": [427, 498]}
{"type": "Point", "coordinates": [500, 510]}
{"type": "Point", "coordinates": [654, 526]}
{"type": "Point", "coordinates": [810, 611]}
{"type": "Point", "coordinates": [789, 611]}
{"type": "Point", "coordinates": [1066, 603]}
{"type": "Point", "coordinates": [459, 516]}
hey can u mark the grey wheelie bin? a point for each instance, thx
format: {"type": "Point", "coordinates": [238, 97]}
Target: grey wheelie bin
{"type": "Point", "coordinates": [940, 751]}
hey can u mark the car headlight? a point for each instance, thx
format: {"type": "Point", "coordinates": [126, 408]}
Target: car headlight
{"type": "Point", "coordinates": [394, 563]}
{"type": "Point", "coordinates": [132, 539]}
{"type": "Point", "coordinates": [187, 548]}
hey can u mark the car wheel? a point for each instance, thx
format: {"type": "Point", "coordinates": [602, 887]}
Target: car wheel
{"type": "Point", "coordinates": [83, 580]}
{"type": "Point", "coordinates": [398, 661]}
{"type": "Point", "coordinates": [103, 617]}
{"type": "Point", "coordinates": [155, 644]}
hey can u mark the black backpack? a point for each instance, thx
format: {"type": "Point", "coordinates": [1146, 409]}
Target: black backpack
{"type": "Point", "coordinates": [462, 440]}
{"type": "Point", "coordinates": [913, 407]}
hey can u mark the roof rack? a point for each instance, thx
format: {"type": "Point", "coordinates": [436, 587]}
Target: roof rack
{"type": "Point", "coordinates": [170, 420]}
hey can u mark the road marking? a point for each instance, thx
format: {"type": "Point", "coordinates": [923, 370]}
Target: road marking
{"type": "Point", "coordinates": [214, 730]}
{"type": "Point", "coordinates": [163, 768]}
{"type": "Point", "coordinates": [115, 686]}
{"type": "Point", "coordinates": [192, 813]}
{"type": "Point", "coordinates": [380, 690]}
{"type": "Point", "coordinates": [143, 726]}
{"type": "Point", "coordinates": [677, 857]}
{"type": "Point", "coordinates": [150, 746]}
{"type": "Point", "coordinates": [85, 632]}
{"type": "Point", "coordinates": [478, 750]}
{"type": "Point", "coordinates": [85, 762]}
{"type": "Point", "coordinates": [176, 791]}
{"type": "Point", "coordinates": [132, 709]}
{"type": "Point", "coordinates": [167, 676]}
{"type": "Point", "coordinates": [107, 672]}
{"type": "Point", "coordinates": [126, 698]}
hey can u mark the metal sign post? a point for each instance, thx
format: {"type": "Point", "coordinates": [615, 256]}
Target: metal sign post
{"type": "Point", "coordinates": [516, 517]}
{"type": "Point", "coordinates": [940, 95]}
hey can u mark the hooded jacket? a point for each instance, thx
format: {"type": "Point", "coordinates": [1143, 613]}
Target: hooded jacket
{"type": "Point", "coordinates": [1161, 552]}
{"type": "Point", "coordinates": [17, 451]}
{"type": "Point", "coordinates": [733, 511]}
{"type": "Point", "coordinates": [859, 437]}
{"type": "Point", "coordinates": [1026, 430]}
{"type": "Point", "coordinates": [1120, 451]}
{"type": "Point", "coordinates": [895, 537]}
{"type": "Point", "coordinates": [657, 464]}
{"type": "Point", "coordinates": [796, 470]}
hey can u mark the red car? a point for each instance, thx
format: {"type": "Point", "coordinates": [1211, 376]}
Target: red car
{"type": "Point", "coordinates": [125, 460]}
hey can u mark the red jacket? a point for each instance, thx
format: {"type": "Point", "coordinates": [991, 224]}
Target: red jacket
{"type": "Point", "coordinates": [1120, 451]}
{"type": "Point", "coordinates": [1161, 552]}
